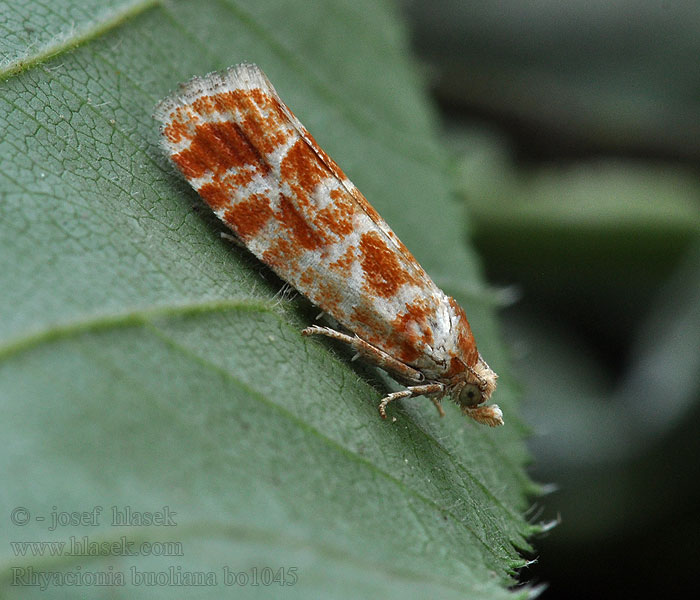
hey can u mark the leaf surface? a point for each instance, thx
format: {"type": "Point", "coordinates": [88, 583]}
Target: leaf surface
{"type": "Point", "coordinates": [146, 362]}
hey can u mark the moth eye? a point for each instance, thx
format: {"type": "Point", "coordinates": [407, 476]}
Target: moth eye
{"type": "Point", "coordinates": [470, 395]}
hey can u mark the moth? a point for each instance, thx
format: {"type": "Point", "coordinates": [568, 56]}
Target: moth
{"type": "Point", "coordinates": [258, 168]}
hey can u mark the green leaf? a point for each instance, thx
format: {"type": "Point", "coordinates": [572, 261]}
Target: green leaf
{"type": "Point", "coordinates": [146, 362]}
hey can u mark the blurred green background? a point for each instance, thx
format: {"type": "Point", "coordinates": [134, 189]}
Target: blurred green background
{"type": "Point", "coordinates": [576, 132]}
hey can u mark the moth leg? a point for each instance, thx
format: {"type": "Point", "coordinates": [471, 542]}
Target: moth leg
{"type": "Point", "coordinates": [390, 398]}
{"type": "Point", "coordinates": [437, 404]}
{"type": "Point", "coordinates": [377, 357]}
{"type": "Point", "coordinates": [390, 364]}
{"type": "Point", "coordinates": [416, 390]}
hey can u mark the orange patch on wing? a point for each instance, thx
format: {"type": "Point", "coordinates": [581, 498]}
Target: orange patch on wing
{"type": "Point", "coordinates": [327, 160]}
{"type": "Point", "coordinates": [179, 128]}
{"type": "Point", "coordinates": [406, 352]}
{"type": "Point", "coordinates": [216, 195]}
{"type": "Point", "coordinates": [414, 322]}
{"type": "Point", "coordinates": [298, 228]}
{"type": "Point", "coordinates": [344, 263]}
{"type": "Point", "coordinates": [248, 217]}
{"type": "Point", "coordinates": [217, 147]}
{"type": "Point", "coordinates": [369, 210]}
{"type": "Point", "coordinates": [374, 324]}
{"type": "Point", "coordinates": [469, 355]}
{"type": "Point", "coordinates": [261, 123]}
{"type": "Point", "coordinates": [383, 272]}
{"type": "Point", "coordinates": [308, 278]}
{"type": "Point", "coordinates": [379, 333]}
{"type": "Point", "coordinates": [336, 217]}
{"type": "Point", "coordinates": [331, 298]}
{"type": "Point", "coordinates": [281, 254]}
{"type": "Point", "coordinates": [302, 169]}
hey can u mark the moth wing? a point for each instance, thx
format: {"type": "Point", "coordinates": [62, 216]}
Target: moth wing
{"type": "Point", "coordinates": [265, 176]}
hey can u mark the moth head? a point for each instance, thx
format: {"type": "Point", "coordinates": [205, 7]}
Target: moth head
{"type": "Point", "coordinates": [476, 385]}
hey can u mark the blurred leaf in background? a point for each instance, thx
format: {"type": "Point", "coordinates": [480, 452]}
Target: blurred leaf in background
{"type": "Point", "coordinates": [577, 127]}
{"type": "Point", "coordinates": [591, 74]}
{"type": "Point", "coordinates": [146, 362]}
